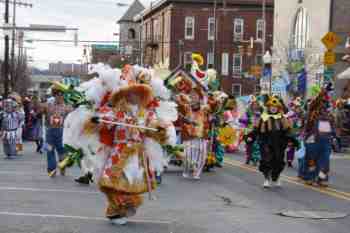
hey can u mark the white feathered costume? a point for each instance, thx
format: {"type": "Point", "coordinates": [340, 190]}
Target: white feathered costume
{"type": "Point", "coordinates": [97, 91]}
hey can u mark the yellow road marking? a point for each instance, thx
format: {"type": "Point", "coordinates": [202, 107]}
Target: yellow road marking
{"type": "Point", "coordinates": [328, 191]}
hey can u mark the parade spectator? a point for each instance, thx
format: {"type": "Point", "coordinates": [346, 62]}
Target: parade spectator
{"type": "Point", "coordinates": [319, 134]}
{"type": "Point", "coordinates": [33, 122]}
{"type": "Point", "coordinates": [55, 112]}
{"type": "Point", "coordinates": [10, 123]}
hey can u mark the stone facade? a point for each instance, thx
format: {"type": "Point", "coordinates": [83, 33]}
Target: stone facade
{"type": "Point", "coordinates": [318, 13]}
{"type": "Point", "coordinates": [129, 35]}
{"type": "Point", "coordinates": [340, 24]}
{"type": "Point", "coordinates": [129, 32]}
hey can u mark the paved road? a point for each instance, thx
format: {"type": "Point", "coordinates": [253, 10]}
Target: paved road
{"type": "Point", "coordinates": [228, 201]}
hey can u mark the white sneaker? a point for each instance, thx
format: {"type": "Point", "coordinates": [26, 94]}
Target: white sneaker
{"type": "Point", "coordinates": [267, 183]}
{"type": "Point", "coordinates": [277, 183]}
{"type": "Point", "coordinates": [119, 221]}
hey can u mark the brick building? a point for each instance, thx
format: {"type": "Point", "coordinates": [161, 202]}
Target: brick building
{"type": "Point", "coordinates": [174, 29]}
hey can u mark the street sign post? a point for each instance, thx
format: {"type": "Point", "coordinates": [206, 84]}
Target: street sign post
{"type": "Point", "coordinates": [329, 58]}
{"type": "Point", "coordinates": [331, 40]}
{"type": "Point", "coordinates": [328, 74]}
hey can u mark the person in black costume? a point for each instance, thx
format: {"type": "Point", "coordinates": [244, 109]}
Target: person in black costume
{"type": "Point", "coordinates": [273, 134]}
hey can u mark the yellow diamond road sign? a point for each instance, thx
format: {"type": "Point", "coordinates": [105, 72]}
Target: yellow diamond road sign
{"type": "Point", "coordinates": [331, 40]}
{"type": "Point", "coordinates": [329, 58]}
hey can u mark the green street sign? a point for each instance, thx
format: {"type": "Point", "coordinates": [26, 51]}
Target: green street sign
{"type": "Point", "coordinates": [105, 47]}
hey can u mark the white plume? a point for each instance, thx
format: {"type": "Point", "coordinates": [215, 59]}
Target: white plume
{"type": "Point", "coordinates": [167, 111]}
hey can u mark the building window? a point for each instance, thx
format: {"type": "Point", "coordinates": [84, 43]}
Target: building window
{"type": "Point", "coordinates": [260, 27]}
{"type": "Point", "coordinates": [237, 64]}
{"type": "Point", "coordinates": [257, 89]}
{"type": "Point", "coordinates": [210, 60]}
{"type": "Point", "coordinates": [301, 33]}
{"type": "Point", "coordinates": [211, 28]}
{"type": "Point", "coordinates": [189, 28]}
{"type": "Point", "coordinates": [259, 60]}
{"type": "Point", "coordinates": [224, 64]}
{"type": "Point", "coordinates": [131, 34]}
{"type": "Point", "coordinates": [187, 58]}
{"type": "Point", "coordinates": [237, 90]}
{"type": "Point", "coordinates": [238, 29]}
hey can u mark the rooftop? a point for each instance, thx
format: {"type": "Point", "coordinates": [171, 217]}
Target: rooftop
{"type": "Point", "coordinates": [134, 9]}
{"type": "Point", "coordinates": [161, 3]}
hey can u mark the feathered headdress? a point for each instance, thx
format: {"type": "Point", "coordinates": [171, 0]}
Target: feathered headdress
{"type": "Point", "coordinates": [142, 92]}
{"type": "Point", "coordinates": [198, 58]}
{"type": "Point", "coordinates": [273, 101]}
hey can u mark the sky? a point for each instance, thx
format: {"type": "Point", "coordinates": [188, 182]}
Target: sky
{"type": "Point", "coordinates": [96, 20]}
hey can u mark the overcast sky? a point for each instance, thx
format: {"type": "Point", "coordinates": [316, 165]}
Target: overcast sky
{"type": "Point", "coordinates": [96, 20]}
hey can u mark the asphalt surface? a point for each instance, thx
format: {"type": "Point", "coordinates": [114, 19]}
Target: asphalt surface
{"type": "Point", "coordinates": [230, 200]}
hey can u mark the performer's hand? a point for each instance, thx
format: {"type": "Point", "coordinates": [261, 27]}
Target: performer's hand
{"type": "Point", "coordinates": [95, 120]}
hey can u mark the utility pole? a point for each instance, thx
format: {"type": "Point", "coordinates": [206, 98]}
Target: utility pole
{"type": "Point", "coordinates": [6, 58]}
{"type": "Point", "coordinates": [264, 28]}
{"type": "Point", "coordinates": [13, 73]}
{"type": "Point", "coordinates": [214, 40]}
{"type": "Point", "coordinates": [141, 40]}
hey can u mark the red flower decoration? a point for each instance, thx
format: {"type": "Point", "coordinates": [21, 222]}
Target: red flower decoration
{"type": "Point", "coordinates": [108, 172]}
{"type": "Point", "coordinates": [105, 99]}
{"type": "Point", "coordinates": [120, 115]}
{"type": "Point", "coordinates": [114, 159]}
{"type": "Point", "coordinates": [104, 109]}
{"type": "Point", "coordinates": [121, 134]}
{"type": "Point", "coordinates": [153, 104]}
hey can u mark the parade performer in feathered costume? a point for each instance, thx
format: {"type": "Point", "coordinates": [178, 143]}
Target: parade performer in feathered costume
{"type": "Point", "coordinates": [249, 121]}
{"type": "Point", "coordinates": [117, 136]}
{"type": "Point", "coordinates": [11, 120]}
{"type": "Point", "coordinates": [296, 116]}
{"type": "Point", "coordinates": [319, 133]}
{"type": "Point", "coordinates": [207, 78]}
{"type": "Point", "coordinates": [216, 151]}
{"type": "Point", "coordinates": [194, 120]}
{"type": "Point", "coordinates": [127, 172]}
{"type": "Point", "coordinates": [273, 133]}
{"type": "Point", "coordinates": [231, 118]}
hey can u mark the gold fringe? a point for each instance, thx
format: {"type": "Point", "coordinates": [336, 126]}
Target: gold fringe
{"type": "Point", "coordinates": [285, 123]}
{"type": "Point", "coordinates": [90, 128]}
{"type": "Point", "coordinates": [118, 181]}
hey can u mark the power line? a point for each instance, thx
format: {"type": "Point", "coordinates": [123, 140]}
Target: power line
{"type": "Point", "coordinates": [17, 3]}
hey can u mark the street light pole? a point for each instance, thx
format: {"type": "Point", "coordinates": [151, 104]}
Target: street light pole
{"type": "Point", "coordinates": [264, 28]}
{"type": "Point", "coordinates": [13, 45]}
{"type": "Point", "coordinates": [141, 40]}
{"type": "Point", "coordinates": [6, 58]}
{"type": "Point", "coordinates": [214, 39]}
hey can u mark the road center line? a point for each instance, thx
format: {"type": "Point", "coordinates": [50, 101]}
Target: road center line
{"type": "Point", "coordinates": [132, 220]}
{"type": "Point", "coordinates": [46, 190]}
{"type": "Point", "coordinates": [328, 191]}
